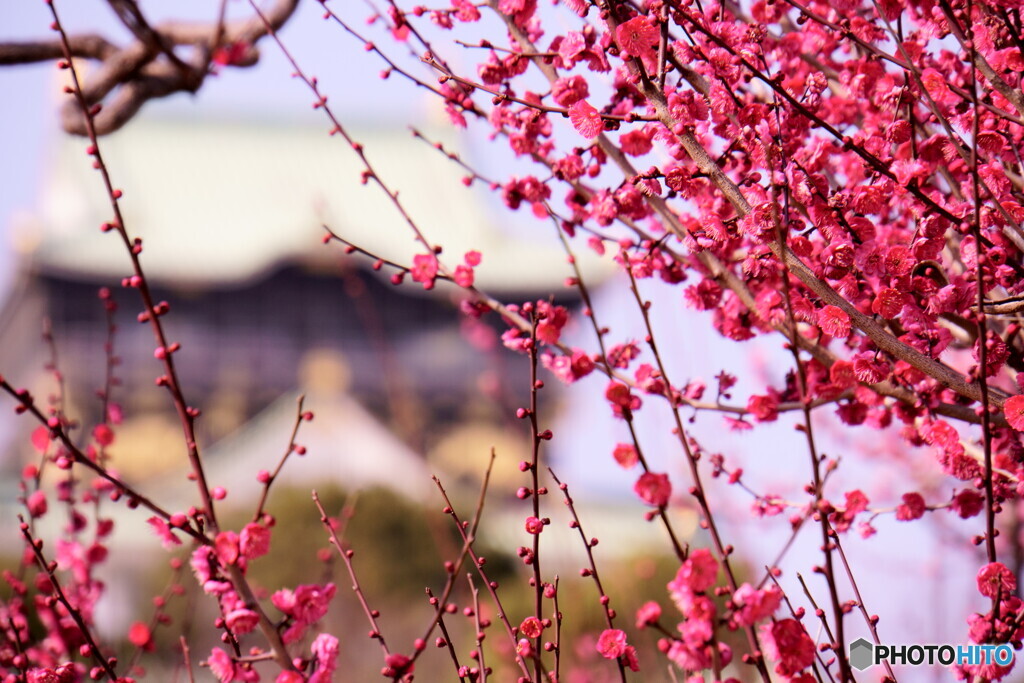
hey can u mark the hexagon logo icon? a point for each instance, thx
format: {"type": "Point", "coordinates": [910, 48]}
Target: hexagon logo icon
{"type": "Point", "coordinates": [861, 654]}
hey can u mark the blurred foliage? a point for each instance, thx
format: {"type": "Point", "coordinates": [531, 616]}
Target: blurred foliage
{"type": "Point", "coordinates": [400, 547]}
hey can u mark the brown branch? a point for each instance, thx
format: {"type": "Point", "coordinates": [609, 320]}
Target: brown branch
{"type": "Point", "coordinates": [131, 16]}
{"type": "Point", "coordinates": [153, 310]}
{"type": "Point", "coordinates": [871, 621]}
{"type": "Point", "coordinates": [588, 545]}
{"type": "Point", "coordinates": [164, 352]}
{"type": "Point", "coordinates": [346, 556]}
{"type": "Point", "coordinates": [455, 568]}
{"type": "Point", "coordinates": [300, 416]}
{"type": "Point", "coordinates": [147, 68]}
{"type": "Point", "coordinates": [87, 45]}
{"type": "Point", "coordinates": [492, 586]}
{"type": "Point", "coordinates": [1010, 306]}
{"type": "Point", "coordinates": [187, 659]}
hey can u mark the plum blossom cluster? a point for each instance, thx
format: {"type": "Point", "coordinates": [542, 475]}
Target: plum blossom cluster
{"type": "Point", "coordinates": [842, 174]}
{"type": "Point", "coordinates": [697, 645]}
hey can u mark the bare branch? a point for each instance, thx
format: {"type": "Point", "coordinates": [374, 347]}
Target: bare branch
{"type": "Point", "coordinates": [148, 68]}
{"type": "Point", "coordinates": [89, 45]}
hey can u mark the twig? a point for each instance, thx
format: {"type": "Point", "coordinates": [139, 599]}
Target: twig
{"type": "Point", "coordinates": [588, 544]}
{"type": "Point", "coordinates": [346, 556]}
{"type": "Point", "coordinates": [478, 630]}
{"type": "Point", "coordinates": [188, 659]}
{"type": "Point", "coordinates": [478, 563]}
{"type": "Point", "coordinates": [454, 569]}
{"type": "Point", "coordinates": [300, 417]}
{"type": "Point", "coordinates": [871, 621]}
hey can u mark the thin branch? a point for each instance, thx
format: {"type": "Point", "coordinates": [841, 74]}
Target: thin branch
{"type": "Point", "coordinates": [300, 417]}
{"type": "Point", "coordinates": [346, 556]}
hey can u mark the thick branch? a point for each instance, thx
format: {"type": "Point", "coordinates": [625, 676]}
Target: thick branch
{"type": "Point", "coordinates": [90, 46]}
{"type": "Point", "coordinates": [148, 68]}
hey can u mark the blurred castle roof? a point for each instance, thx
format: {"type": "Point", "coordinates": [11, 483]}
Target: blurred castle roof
{"type": "Point", "coordinates": [346, 448]}
{"type": "Point", "coordinates": [220, 202]}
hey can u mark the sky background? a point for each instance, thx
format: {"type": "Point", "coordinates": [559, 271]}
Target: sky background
{"type": "Point", "coordinates": [919, 568]}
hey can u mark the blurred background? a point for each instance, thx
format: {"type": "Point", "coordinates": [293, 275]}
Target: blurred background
{"type": "Point", "coordinates": [229, 188]}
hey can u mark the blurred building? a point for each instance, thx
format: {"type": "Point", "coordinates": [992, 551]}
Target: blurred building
{"type": "Point", "coordinates": [231, 219]}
